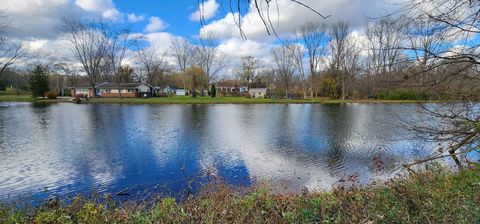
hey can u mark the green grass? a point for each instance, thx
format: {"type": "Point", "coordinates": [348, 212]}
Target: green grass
{"type": "Point", "coordinates": [10, 95]}
{"type": "Point", "coordinates": [17, 98]}
{"type": "Point", "coordinates": [232, 100]}
{"type": "Point", "coordinates": [437, 196]}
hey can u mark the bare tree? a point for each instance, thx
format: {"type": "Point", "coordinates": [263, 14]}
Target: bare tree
{"type": "Point", "coordinates": [70, 75]}
{"type": "Point", "coordinates": [153, 64]}
{"type": "Point", "coordinates": [385, 39]}
{"type": "Point", "coordinates": [298, 54]}
{"type": "Point", "coordinates": [208, 57]}
{"type": "Point", "coordinates": [249, 70]}
{"type": "Point", "coordinates": [183, 52]}
{"type": "Point", "coordinates": [263, 9]}
{"type": "Point", "coordinates": [453, 53]}
{"type": "Point", "coordinates": [424, 38]}
{"type": "Point", "coordinates": [119, 41]}
{"type": "Point", "coordinates": [11, 52]}
{"type": "Point", "coordinates": [89, 46]}
{"type": "Point", "coordinates": [338, 48]}
{"type": "Point", "coordinates": [284, 61]}
{"type": "Point", "coordinates": [314, 37]}
{"type": "Point", "coordinates": [457, 19]}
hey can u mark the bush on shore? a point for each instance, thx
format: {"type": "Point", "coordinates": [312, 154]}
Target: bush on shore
{"type": "Point", "coordinates": [403, 95]}
{"type": "Point", "coordinates": [431, 197]}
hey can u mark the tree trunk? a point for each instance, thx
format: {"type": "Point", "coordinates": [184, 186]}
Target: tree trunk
{"type": "Point", "coordinates": [305, 96]}
{"type": "Point", "coordinates": [455, 159]}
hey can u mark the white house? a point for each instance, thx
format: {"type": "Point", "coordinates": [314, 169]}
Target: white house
{"type": "Point", "coordinates": [180, 92]}
{"type": "Point", "coordinates": [259, 92]}
{"type": "Point", "coordinates": [107, 89]}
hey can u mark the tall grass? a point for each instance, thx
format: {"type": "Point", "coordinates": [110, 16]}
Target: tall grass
{"type": "Point", "coordinates": [436, 196]}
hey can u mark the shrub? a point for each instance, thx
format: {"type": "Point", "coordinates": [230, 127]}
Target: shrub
{"type": "Point", "coordinates": [51, 95]}
{"type": "Point", "coordinates": [213, 91]}
{"type": "Point", "coordinates": [404, 94]}
{"type": "Point", "coordinates": [39, 82]}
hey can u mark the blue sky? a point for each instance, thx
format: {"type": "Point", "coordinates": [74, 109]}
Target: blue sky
{"type": "Point", "coordinates": [174, 13]}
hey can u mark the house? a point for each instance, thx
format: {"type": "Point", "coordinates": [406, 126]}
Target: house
{"type": "Point", "coordinates": [167, 90]}
{"type": "Point", "coordinates": [106, 89]}
{"type": "Point", "coordinates": [232, 90]}
{"type": "Point", "coordinates": [259, 93]}
{"type": "Point", "coordinates": [221, 89]}
{"type": "Point", "coordinates": [180, 92]}
{"type": "Point", "coordinates": [84, 89]}
{"type": "Point", "coordinates": [243, 89]}
{"type": "Point", "coordinates": [130, 90]}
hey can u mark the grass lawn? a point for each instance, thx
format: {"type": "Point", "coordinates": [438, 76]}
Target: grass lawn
{"type": "Point", "coordinates": [232, 100]}
{"type": "Point", "coordinates": [433, 197]}
{"type": "Point", "coordinates": [17, 98]}
{"type": "Point", "coordinates": [11, 95]}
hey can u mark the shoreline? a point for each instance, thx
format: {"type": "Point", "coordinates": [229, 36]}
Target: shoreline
{"type": "Point", "coordinates": [210, 101]}
{"type": "Point", "coordinates": [426, 197]}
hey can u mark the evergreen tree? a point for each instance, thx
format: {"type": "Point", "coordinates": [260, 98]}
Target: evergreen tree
{"type": "Point", "coordinates": [39, 82]}
{"type": "Point", "coordinates": [213, 91]}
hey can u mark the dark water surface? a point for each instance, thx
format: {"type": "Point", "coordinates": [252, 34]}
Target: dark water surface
{"type": "Point", "coordinates": [68, 149]}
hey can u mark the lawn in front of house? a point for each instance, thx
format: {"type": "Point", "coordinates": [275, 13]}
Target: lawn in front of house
{"type": "Point", "coordinates": [12, 95]}
{"type": "Point", "coordinates": [232, 100]}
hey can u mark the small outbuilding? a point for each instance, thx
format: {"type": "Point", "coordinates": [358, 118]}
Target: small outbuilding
{"type": "Point", "coordinates": [260, 93]}
{"type": "Point", "coordinates": [180, 92]}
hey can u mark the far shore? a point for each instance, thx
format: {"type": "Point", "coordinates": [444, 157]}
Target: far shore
{"type": "Point", "coordinates": [203, 100]}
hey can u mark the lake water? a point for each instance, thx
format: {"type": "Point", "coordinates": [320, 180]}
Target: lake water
{"type": "Point", "coordinates": [69, 149]}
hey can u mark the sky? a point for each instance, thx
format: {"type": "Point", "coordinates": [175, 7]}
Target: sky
{"type": "Point", "coordinates": [35, 22]}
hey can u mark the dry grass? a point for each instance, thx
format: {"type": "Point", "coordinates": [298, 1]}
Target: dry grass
{"type": "Point", "coordinates": [432, 197]}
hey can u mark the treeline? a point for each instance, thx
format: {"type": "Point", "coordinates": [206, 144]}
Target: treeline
{"type": "Point", "coordinates": [393, 58]}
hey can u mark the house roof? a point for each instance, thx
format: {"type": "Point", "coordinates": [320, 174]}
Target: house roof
{"type": "Point", "coordinates": [108, 85]}
{"type": "Point", "coordinates": [258, 90]}
{"type": "Point", "coordinates": [131, 85]}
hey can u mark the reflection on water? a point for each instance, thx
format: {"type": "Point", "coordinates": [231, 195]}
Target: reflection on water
{"type": "Point", "coordinates": [67, 149]}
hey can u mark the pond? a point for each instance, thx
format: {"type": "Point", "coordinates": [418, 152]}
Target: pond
{"type": "Point", "coordinates": [141, 150]}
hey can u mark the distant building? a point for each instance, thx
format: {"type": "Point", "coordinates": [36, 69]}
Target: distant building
{"type": "Point", "coordinates": [232, 89]}
{"type": "Point", "coordinates": [84, 89]}
{"type": "Point", "coordinates": [169, 90]}
{"type": "Point", "coordinates": [259, 93]}
{"type": "Point", "coordinates": [180, 92]}
{"type": "Point", "coordinates": [107, 89]}
{"type": "Point", "coordinates": [243, 89]}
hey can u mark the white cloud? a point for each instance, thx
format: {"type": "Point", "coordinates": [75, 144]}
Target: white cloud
{"type": "Point", "coordinates": [105, 7]}
{"type": "Point", "coordinates": [112, 14]}
{"type": "Point", "coordinates": [95, 5]}
{"type": "Point", "coordinates": [160, 40]}
{"type": "Point", "coordinates": [155, 24]}
{"type": "Point", "coordinates": [133, 18]}
{"type": "Point", "coordinates": [237, 48]}
{"type": "Point", "coordinates": [207, 10]}
{"type": "Point", "coordinates": [40, 18]}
